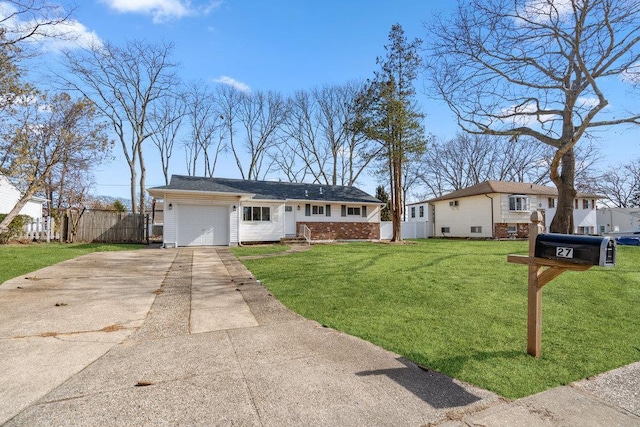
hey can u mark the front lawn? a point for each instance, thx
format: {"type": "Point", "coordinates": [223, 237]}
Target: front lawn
{"type": "Point", "coordinates": [458, 307]}
{"type": "Point", "coordinates": [257, 250]}
{"type": "Point", "coordinates": [16, 260]}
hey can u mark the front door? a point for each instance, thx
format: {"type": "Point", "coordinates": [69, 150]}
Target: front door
{"type": "Point", "coordinates": [289, 221]}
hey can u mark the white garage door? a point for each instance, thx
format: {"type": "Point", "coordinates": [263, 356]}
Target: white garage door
{"type": "Point", "coordinates": [203, 225]}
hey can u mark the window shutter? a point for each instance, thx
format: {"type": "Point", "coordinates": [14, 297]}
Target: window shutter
{"type": "Point", "coordinates": [327, 210]}
{"type": "Point", "coordinates": [343, 210]}
{"type": "Point", "coordinates": [364, 211]}
{"type": "Point", "coordinates": [307, 210]}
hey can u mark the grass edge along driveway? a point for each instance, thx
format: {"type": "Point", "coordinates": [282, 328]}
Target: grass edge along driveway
{"type": "Point", "coordinates": [19, 259]}
{"type": "Point", "coordinates": [458, 307]}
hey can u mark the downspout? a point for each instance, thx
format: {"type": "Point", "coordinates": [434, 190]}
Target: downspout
{"type": "Point", "coordinates": [493, 230]}
{"type": "Point", "coordinates": [433, 219]}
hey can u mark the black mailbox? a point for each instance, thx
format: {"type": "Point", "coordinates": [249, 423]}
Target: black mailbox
{"type": "Point", "coordinates": [590, 250]}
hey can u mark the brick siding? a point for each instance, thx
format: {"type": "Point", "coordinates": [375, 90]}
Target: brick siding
{"type": "Point", "coordinates": [343, 230]}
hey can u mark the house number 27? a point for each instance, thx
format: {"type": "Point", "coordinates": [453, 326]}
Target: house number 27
{"type": "Point", "coordinates": [564, 252]}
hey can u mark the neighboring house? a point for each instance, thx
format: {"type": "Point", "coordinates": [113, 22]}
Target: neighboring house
{"type": "Point", "coordinates": [218, 211]}
{"type": "Point", "coordinates": [10, 195]}
{"type": "Point", "coordinates": [496, 209]}
{"type": "Point", "coordinates": [618, 220]}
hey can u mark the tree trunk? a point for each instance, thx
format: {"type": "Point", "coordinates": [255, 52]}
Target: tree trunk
{"type": "Point", "coordinates": [134, 175]}
{"type": "Point", "coordinates": [143, 177]}
{"type": "Point", "coordinates": [563, 220]}
{"type": "Point", "coordinates": [397, 199]}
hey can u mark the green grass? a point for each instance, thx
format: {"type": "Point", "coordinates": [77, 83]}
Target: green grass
{"type": "Point", "coordinates": [253, 250]}
{"type": "Point", "coordinates": [16, 260]}
{"type": "Point", "coordinates": [458, 307]}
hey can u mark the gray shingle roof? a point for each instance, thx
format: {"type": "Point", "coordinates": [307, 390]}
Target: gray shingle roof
{"type": "Point", "coordinates": [269, 190]}
{"type": "Point", "coordinates": [504, 187]}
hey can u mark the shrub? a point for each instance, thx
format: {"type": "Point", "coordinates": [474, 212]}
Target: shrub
{"type": "Point", "coordinates": [16, 227]}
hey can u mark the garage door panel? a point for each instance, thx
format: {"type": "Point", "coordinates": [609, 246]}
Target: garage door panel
{"type": "Point", "coordinates": [203, 225]}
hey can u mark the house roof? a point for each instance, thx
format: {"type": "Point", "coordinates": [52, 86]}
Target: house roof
{"type": "Point", "coordinates": [503, 187]}
{"type": "Point", "coordinates": [267, 190]}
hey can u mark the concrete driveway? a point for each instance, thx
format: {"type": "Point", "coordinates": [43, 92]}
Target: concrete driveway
{"type": "Point", "coordinates": [188, 336]}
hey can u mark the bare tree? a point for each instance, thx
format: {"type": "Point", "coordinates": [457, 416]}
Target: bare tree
{"type": "Point", "coordinates": [30, 20]}
{"type": "Point", "coordinates": [48, 134]}
{"type": "Point", "coordinates": [124, 83]}
{"type": "Point", "coordinates": [260, 116]}
{"type": "Point", "coordinates": [206, 125]}
{"type": "Point", "coordinates": [536, 68]}
{"type": "Point", "coordinates": [167, 120]}
{"type": "Point", "coordinates": [621, 185]}
{"type": "Point", "coordinates": [321, 138]}
{"type": "Point", "coordinates": [469, 159]}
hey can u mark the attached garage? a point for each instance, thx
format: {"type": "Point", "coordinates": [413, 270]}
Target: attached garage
{"type": "Point", "coordinates": [202, 225]}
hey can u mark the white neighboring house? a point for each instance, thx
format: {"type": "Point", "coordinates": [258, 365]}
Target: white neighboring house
{"type": "Point", "coordinates": [618, 220]}
{"type": "Point", "coordinates": [9, 196]}
{"type": "Point", "coordinates": [497, 209]}
{"type": "Point", "coordinates": [218, 211]}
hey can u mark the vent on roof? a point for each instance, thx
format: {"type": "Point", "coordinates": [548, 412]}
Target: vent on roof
{"type": "Point", "coordinates": [320, 190]}
{"type": "Point", "coordinates": [306, 193]}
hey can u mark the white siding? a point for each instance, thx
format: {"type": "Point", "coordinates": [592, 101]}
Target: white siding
{"type": "Point", "coordinates": [9, 196]}
{"type": "Point", "coordinates": [618, 220]}
{"type": "Point", "coordinates": [263, 231]}
{"type": "Point", "coordinates": [373, 213]}
{"type": "Point", "coordinates": [472, 211]}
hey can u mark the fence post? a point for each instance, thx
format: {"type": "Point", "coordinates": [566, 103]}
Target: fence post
{"type": "Point", "coordinates": [146, 229]}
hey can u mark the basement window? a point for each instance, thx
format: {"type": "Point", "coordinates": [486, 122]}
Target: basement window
{"type": "Point", "coordinates": [476, 229]}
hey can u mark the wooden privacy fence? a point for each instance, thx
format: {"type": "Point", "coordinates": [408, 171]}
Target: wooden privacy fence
{"type": "Point", "coordinates": [104, 227]}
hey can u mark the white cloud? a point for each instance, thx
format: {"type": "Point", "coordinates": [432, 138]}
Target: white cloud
{"type": "Point", "coordinates": [161, 10]}
{"type": "Point", "coordinates": [631, 74]}
{"type": "Point", "coordinates": [68, 34]}
{"type": "Point", "coordinates": [543, 10]}
{"type": "Point", "coordinates": [234, 83]}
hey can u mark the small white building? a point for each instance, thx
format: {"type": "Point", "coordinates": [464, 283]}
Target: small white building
{"type": "Point", "coordinates": [10, 195]}
{"type": "Point", "coordinates": [497, 209]}
{"type": "Point", "coordinates": [618, 220]}
{"type": "Point", "coordinates": [419, 224]}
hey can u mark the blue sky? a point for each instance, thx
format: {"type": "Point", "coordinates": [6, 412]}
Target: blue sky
{"type": "Point", "coordinates": [275, 45]}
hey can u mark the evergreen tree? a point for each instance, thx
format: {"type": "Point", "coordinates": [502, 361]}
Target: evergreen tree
{"type": "Point", "coordinates": [389, 115]}
{"type": "Point", "coordinates": [383, 196]}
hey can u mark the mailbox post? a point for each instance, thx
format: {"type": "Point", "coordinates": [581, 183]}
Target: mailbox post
{"type": "Point", "coordinates": [558, 253]}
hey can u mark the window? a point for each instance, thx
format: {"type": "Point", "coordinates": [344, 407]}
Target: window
{"type": "Point", "coordinates": [476, 229]}
{"type": "Point", "coordinates": [588, 204]}
{"type": "Point", "coordinates": [317, 210]}
{"type": "Point", "coordinates": [353, 211]}
{"type": "Point", "coordinates": [453, 203]}
{"type": "Point", "coordinates": [552, 202]}
{"type": "Point", "coordinates": [413, 211]}
{"type": "Point", "coordinates": [576, 200]}
{"type": "Point", "coordinates": [585, 230]}
{"type": "Point", "coordinates": [512, 229]}
{"type": "Point", "coordinates": [288, 208]}
{"type": "Point", "coordinates": [518, 203]}
{"type": "Point", "coordinates": [421, 211]}
{"type": "Point", "coordinates": [445, 230]}
{"type": "Point", "coordinates": [602, 229]}
{"type": "Point", "coordinates": [256, 213]}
